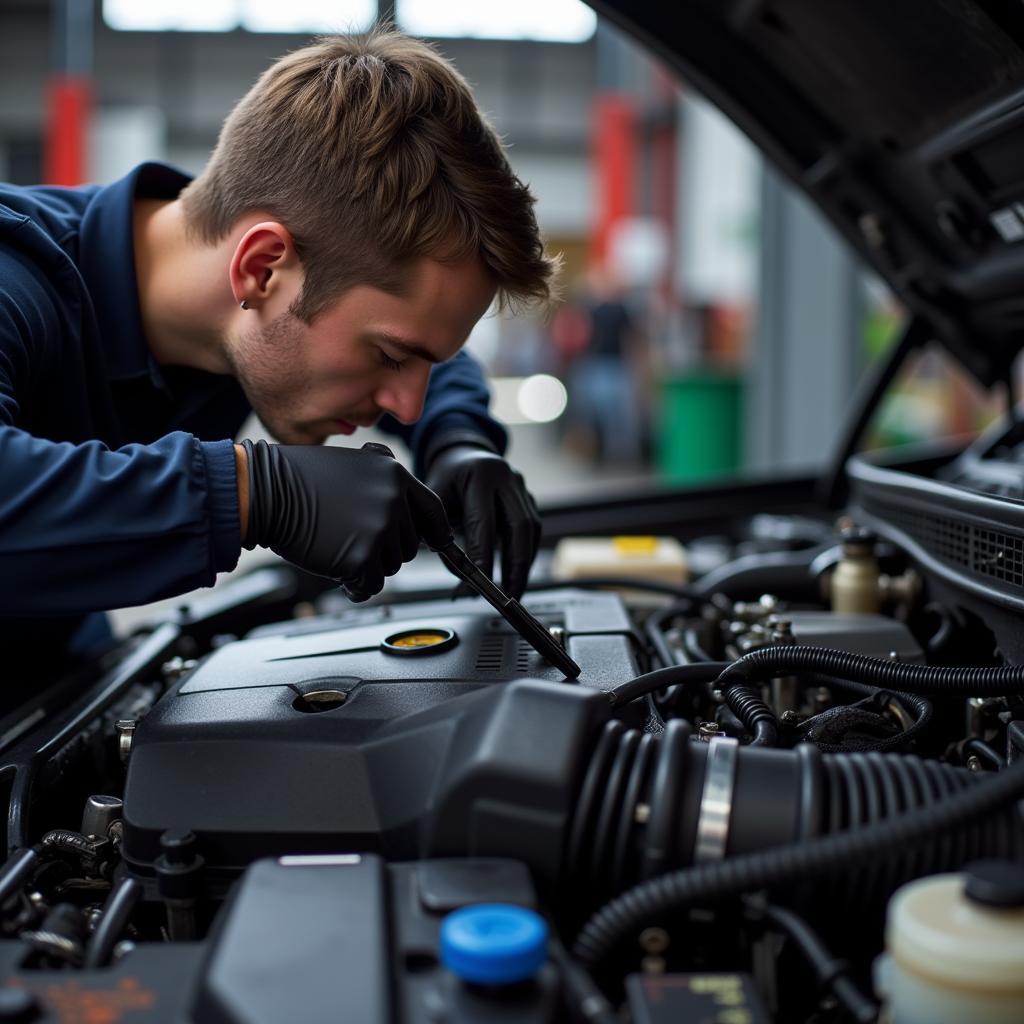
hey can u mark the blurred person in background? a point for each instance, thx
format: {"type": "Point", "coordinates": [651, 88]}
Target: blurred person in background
{"type": "Point", "coordinates": [602, 372]}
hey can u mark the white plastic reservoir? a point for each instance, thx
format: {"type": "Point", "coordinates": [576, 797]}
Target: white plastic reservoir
{"type": "Point", "coordinates": [955, 948]}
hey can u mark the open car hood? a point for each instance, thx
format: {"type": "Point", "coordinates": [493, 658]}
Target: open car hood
{"type": "Point", "coordinates": [901, 122]}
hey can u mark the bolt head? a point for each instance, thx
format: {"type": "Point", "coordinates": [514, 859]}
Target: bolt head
{"type": "Point", "coordinates": [654, 940]}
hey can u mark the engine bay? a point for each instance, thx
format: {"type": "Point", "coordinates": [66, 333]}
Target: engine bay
{"type": "Point", "coordinates": [277, 804]}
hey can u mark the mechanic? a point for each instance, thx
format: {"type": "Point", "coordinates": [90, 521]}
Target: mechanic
{"type": "Point", "coordinates": [356, 219]}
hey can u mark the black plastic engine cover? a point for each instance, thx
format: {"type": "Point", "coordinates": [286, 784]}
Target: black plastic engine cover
{"type": "Point", "coordinates": [475, 749]}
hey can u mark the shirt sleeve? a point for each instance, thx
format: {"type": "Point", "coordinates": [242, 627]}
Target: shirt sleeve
{"type": "Point", "coordinates": [455, 409]}
{"type": "Point", "coordinates": [86, 528]}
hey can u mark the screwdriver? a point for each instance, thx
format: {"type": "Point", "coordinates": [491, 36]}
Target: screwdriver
{"type": "Point", "coordinates": [532, 630]}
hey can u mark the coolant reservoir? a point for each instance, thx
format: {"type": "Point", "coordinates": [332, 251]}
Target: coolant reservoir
{"type": "Point", "coordinates": [955, 948]}
{"type": "Point", "coordinates": [647, 558]}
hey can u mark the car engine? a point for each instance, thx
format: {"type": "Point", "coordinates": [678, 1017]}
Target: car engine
{"type": "Point", "coordinates": [276, 805]}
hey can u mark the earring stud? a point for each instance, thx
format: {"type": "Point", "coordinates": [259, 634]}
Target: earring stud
{"type": "Point", "coordinates": [244, 304]}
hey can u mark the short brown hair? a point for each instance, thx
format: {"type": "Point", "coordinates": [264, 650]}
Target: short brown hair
{"type": "Point", "coordinates": [372, 152]}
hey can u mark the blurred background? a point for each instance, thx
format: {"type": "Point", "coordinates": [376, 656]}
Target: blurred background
{"type": "Point", "coordinates": [711, 325]}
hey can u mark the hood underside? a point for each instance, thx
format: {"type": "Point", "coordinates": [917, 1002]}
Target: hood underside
{"type": "Point", "coordinates": [903, 122]}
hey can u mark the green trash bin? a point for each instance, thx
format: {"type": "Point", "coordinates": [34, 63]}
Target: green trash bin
{"type": "Point", "coordinates": [699, 426]}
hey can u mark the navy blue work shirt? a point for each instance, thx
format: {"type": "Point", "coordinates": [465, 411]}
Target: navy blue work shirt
{"type": "Point", "coordinates": [117, 476]}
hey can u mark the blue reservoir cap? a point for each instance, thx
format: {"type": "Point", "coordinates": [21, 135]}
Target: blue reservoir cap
{"type": "Point", "coordinates": [493, 943]}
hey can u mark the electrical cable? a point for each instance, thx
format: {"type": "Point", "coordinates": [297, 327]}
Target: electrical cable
{"type": "Point", "coordinates": [986, 752]}
{"type": "Point", "coordinates": [654, 629]}
{"type": "Point", "coordinates": [746, 703]}
{"type": "Point", "coordinates": [702, 672]}
{"type": "Point", "coordinates": [928, 679]}
{"type": "Point", "coordinates": [582, 994]}
{"type": "Point", "coordinates": [693, 647]}
{"type": "Point", "coordinates": [710, 882]}
{"type": "Point", "coordinates": [832, 973]}
{"type": "Point", "coordinates": [114, 917]}
{"type": "Point", "coordinates": [16, 872]}
{"type": "Point", "coordinates": [67, 841]}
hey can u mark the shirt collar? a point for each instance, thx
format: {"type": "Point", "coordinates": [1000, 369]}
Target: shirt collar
{"type": "Point", "coordinates": [106, 261]}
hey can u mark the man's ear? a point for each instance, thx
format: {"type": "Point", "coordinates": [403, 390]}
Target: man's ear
{"type": "Point", "coordinates": [265, 264]}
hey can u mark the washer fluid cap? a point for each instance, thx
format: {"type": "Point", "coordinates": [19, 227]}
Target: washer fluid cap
{"type": "Point", "coordinates": [493, 943]}
{"type": "Point", "coordinates": [936, 933]}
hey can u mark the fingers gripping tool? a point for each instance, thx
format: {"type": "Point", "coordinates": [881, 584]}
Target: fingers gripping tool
{"type": "Point", "coordinates": [531, 629]}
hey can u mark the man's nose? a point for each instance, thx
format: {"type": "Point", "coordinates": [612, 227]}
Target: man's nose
{"type": "Point", "coordinates": [404, 399]}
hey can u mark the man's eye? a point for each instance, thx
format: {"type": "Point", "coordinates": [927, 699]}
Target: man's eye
{"type": "Point", "coordinates": [387, 361]}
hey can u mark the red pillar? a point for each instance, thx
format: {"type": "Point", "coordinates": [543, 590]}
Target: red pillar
{"type": "Point", "coordinates": [614, 169]}
{"type": "Point", "coordinates": [68, 101]}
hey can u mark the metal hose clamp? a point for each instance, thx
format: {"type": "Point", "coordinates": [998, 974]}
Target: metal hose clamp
{"type": "Point", "coordinates": [716, 800]}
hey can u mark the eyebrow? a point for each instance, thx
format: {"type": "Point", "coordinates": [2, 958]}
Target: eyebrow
{"type": "Point", "coordinates": [408, 347]}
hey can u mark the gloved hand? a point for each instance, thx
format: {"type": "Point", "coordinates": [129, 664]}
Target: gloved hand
{"type": "Point", "coordinates": [350, 515]}
{"type": "Point", "coordinates": [488, 500]}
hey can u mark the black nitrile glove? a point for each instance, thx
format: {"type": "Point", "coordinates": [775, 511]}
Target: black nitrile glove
{"type": "Point", "coordinates": [488, 501]}
{"type": "Point", "coordinates": [350, 515]}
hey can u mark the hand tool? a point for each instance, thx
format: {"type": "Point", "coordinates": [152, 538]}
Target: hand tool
{"type": "Point", "coordinates": [532, 630]}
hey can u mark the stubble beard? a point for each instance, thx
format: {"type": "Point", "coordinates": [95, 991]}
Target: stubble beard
{"type": "Point", "coordinates": [267, 363]}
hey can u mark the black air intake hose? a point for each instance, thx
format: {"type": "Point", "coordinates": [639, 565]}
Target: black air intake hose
{"type": "Point", "coordinates": [801, 862]}
{"type": "Point", "coordinates": [639, 810]}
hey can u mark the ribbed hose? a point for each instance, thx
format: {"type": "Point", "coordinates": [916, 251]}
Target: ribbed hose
{"type": "Point", "coordinates": [745, 700]}
{"type": "Point", "coordinates": [904, 836]}
{"type": "Point", "coordinates": [967, 680]}
{"type": "Point", "coordinates": [746, 703]}
{"type": "Point", "coordinates": [865, 789]}
{"type": "Point", "coordinates": [64, 840]}
{"type": "Point", "coordinates": [636, 815]}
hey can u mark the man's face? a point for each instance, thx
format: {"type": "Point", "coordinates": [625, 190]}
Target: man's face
{"type": "Point", "coordinates": [368, 355]}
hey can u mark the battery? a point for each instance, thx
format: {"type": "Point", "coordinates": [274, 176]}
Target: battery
{"type": "Point", "coordinates": [711, 998]}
